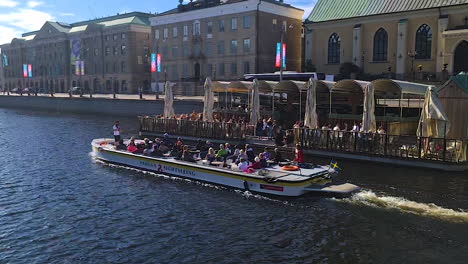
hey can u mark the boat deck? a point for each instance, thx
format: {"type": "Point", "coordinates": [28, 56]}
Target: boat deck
{"type": "Point", "coordinates": [274, 173]}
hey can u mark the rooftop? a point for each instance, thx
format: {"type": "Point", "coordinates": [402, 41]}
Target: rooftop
{"type": "Point", "coordinates": [119, 19]}
{"type": "Point", "coordinates": [201, 4]}
{"type": "Point", "coordinates": [328, 10]}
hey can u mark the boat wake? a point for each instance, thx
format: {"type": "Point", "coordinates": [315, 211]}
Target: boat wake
{"type": "Point", "coordinates": [369, 198]}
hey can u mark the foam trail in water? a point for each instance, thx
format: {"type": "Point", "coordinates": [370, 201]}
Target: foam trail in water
{"type": "Point", "coordinates": [369, 198]}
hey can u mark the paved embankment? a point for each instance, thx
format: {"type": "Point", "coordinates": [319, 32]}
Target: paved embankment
{"type": "Point", "coordinates": [127, 106]}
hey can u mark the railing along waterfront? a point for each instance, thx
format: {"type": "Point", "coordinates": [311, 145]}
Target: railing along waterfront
{"type": "Point", "coordinates": [197, 129]}
{"type": "Point", "coordinates": [384, 145]}
{"type": "Point", "coordinates": [357, 143]}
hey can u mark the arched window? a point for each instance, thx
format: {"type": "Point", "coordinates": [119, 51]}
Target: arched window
{"type": "Point", "coordinates": [380, 45]}
{"type": "Point", "coordinates": [334, 48]}
{"type": "Point", "coordinates": [423, 42]}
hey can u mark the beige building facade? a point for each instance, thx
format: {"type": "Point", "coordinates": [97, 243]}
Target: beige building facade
{"type": "Point", "coordinates": [420, 40]}
{"type": "Point", "coordinates": [114, 52]}
{"type": "Point", "coordinates": [225, 39]}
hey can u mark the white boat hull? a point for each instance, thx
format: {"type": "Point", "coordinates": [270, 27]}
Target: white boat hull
{"type": "Point", "coordinates": [206, 173]}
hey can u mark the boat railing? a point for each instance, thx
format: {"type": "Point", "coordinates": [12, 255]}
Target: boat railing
{"type": "Point", "coordinates": [197, 129]}
{"type": "Point", "coordinates": [394, 146]}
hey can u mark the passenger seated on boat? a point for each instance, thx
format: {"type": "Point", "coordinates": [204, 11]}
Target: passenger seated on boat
{"type": "Point", "coordinates": [235, 155]}
{"type": "Point", "coordinates": [132, 147]}
{"type": "Point", "coordinates": [200, 145]}
{"type": "Point", "coordinates": [179, 143]}
{"type": "Point", "coordinates": [277, 157]}
{"type": "Point", "coordinates": [255, 166]}
{"type": "Point", "coordinates": [227, 146]}
{"type": "Point", "coordinates": [266, 154]}
{"type": "Point", "coordinates": [210, 156]}
{"type": "Point", "coordinates": [187, 156]}
{"type": "Point", "coordinates": [167, 141]}
{"type": "Point", "coordinates": [222, 153]}
{"type": "Point", "coordinates": [121, 145]}
{"type": "Point", "coordinates": [156, 152]}
{"type": "Point", "coordinates": [250, 153]}
{"type": "Point", "coordinates": [175, 152]}
{"type": "Point", "coordinates": [263, 161]}
{"type": "Point", "coordinates": [148, 150]}
{"type": "Point", "coordinates": [241, 156]}
{"type": "Point", "coordinates": [243, 164]}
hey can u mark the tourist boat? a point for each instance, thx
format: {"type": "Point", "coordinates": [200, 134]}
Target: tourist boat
{"type": "Point", "coordinates": [273, 181]}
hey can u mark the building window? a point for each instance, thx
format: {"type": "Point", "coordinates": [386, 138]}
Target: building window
{"type": "Point", "coordinates": [165, 52]}
{"type": "Point", "coordinates": [114, 51]}
{"type": "Point", "coordinates": [185, 70]}
{"type": "Point", "coordinates": [221, 26]}
{"type": "Point", "coordinates": [209, 70]}
{"type": "Point", "coordinates": [221, 47]}
{"type": "Point", "coordinates": [246, 67]}
{"type": "Point", "coordinates": [185, 50]}
{"type": "Point", "coordinates": [166, 33]}
{"type": "Point", "coordinates": [423, 42]}
{"type": "Point", "coordinates": [96, 52]}
{"type": "Point", "coordinates": [124, 85]}
{"type": "Point", "coordinates": [114, 37]}
{"type": "Point", "coordinates": [334, 43]}
{"type": "Point", "coordinates": [233, 68]}
{"type": "Point", "coordinates": [185, 31]}
{"type": "Point", "coordinates": [123, 36]}
{"type": "Point", "coordinates": [107, 51]}
{"type": "Point", "coordinates": [175, 74]}
{"type": "Point", "coordinates": [123, 67]}
{"type": "Point", "coordinates": [209, 49]}
{"type": "Point", "coordinates": [107, 37]}
{"type": "Point", "coordinates": [209, 27]}
{"type": "Point", "coordinates": [246, 22]}
{"type": "Point", "coordinates": [221, 69]}
{"type": "Point", "coordinates": [174, 32]}
{"type": "Point", "coordinates": [175, 51]}
{"type": "Point", "coordinates": [234, 24]}
{"type": "Point", "coordinates": [233, 46]}
{"type": "Point", "coordinates": [246, 45]}
{"type": "Point", "coordinates": [123, 50]}
{"type": "Point", "coordinates": [156, 34]}
{"type": "Point", "coordinates": [380, 45]}
{"type": "Point", "coordinates": [196, 28]}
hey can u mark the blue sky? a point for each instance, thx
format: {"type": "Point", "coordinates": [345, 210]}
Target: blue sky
{"type": "Point", "coordinates": [19, 16]}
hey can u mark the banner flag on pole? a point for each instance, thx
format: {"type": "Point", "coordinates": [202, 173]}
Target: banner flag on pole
{"type": "Point", "coordinates": [278, 55]}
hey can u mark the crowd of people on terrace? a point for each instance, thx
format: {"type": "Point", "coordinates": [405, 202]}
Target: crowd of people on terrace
{"type": "Point", "coordinates": [243, 156]}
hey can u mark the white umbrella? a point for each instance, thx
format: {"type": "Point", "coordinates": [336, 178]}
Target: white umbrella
{"type": "Point", "coordinates": [208, 102]}
{"type": "Point", "coordinates": [168, 100]}
{"type": "Point", "coordinates": [254, 103]}
{"type": "Point", "coordinates": [434, 121]}
{"type": "Point", "coordinates": [368, 115]}
{"type": "Point", "coordinates": [310, 118]}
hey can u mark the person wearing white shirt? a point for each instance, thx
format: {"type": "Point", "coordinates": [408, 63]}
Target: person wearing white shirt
{"type": "Point", "coordinates": [116, 130]}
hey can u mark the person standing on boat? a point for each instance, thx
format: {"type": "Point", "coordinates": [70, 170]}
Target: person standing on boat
{"type": "Point", "coordinates": [116, 129]}
{"type": "Point", "coordinates": [299, 154]}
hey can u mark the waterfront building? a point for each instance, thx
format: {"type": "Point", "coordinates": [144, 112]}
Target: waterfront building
{"type": "Point", "coordinates": [225, 39]}
{"type": "Point", "coordinates": [103, 55]}
{"type": "Point", "coordinates": [404, 39]}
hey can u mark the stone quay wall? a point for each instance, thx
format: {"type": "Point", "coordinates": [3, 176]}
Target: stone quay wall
{"type": "Point", "coordinates": [105, 106]}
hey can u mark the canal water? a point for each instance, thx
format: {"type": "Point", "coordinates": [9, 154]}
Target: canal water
{"type": "Point", "coordinates": [58, 205]}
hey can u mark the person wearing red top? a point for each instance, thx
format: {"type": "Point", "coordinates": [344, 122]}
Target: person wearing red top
{"type": "Point", "coordinates": [299, 154]}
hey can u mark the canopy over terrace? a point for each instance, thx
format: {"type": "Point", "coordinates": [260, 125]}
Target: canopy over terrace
{"type": "Point", "coordinates": [269, 87]}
